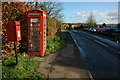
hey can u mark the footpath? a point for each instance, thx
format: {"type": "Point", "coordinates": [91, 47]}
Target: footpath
{"type": "Point", "coordinates": [66, 64]}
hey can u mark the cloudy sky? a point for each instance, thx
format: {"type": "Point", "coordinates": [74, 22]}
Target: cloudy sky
{"type": "Point", "coordinates": [103, 12]}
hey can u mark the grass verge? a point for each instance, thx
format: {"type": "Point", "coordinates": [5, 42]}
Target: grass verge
{"type": "Point", "coordinates": [23, 70]}
{"type": "Point", "coordinates": [57, 42]}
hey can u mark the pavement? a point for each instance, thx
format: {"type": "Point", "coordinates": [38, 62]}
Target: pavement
{"type": "Point", "coordinates": [65, 64]}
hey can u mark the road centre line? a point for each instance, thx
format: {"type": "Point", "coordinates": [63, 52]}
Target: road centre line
{"type": "Point", "coordinates": [89, 37]}
{"type": "Point", "coordinates": [101, 43]}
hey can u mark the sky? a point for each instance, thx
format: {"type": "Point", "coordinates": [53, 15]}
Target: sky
{"type": "Point", "coordinates": [78, 12]}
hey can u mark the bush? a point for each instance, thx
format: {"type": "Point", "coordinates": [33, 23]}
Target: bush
{"type": "Point", "coordinates": [55, 43]}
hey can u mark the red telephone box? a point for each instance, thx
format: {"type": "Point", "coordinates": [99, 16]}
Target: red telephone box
{"type": "Point", "coordinates": [13, 31]}
{"type": "Point", "coordinates": [36, 32]}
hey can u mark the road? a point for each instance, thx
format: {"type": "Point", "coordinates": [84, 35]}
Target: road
{"type": "Point", "coordinates": [101, 55]}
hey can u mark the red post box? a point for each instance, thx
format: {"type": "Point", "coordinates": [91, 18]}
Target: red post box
{"type": "Point", "coordinates": [36, 32]}
{"type": "Point", "coordinates": [13, 31]}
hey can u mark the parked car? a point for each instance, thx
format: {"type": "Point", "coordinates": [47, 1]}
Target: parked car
{"type": "Point", "coordinates": [94, 30]}
{"type": "Point", "coordinates": [116, 30]}
{"type": "Point", "coordinates": [75, 31]}
{"type": "Point", "coordinates": [98, 29]}
{"type": "Point", "coordinates": [106, 30]}
{"type": "Point", "coordinates": [89, 29]}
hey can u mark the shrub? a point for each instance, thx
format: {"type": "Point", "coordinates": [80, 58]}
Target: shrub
{"type": "Point", "coordinates": [55, 43]}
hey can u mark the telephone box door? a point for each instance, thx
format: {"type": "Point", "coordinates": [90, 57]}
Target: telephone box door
{"type": "Point", "coordinates": [34, 35]}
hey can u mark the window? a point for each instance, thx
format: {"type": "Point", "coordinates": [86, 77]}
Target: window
{"type": "Point", "coordinates": [34, 20]}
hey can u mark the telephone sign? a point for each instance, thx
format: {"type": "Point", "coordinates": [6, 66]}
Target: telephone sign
{"type": "Point", "coordinates": [36, 32]}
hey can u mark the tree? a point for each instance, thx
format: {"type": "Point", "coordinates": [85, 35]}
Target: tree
{"type": "Point", "coordinates": [103, 25]}
{"type": "Point", "coordinates": [36, 5]}
{"type": "Point", "coordinates": [53, 9]}
{"type": "Point", "coordinates": [118, 25]}
{"type": "Point", "coordinates": [91, 21]}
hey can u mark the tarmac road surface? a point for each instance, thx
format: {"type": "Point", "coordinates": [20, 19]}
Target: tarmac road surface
{"type": "Point", "coordinates": [101, 55]}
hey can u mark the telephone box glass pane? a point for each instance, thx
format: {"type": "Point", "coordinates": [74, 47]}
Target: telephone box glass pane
{"type": "Point", "coordinates": [34, 20]}
{"type": "Point", "coordinates": [34, 35]}
{"type": "Point", "coordinates": [34, 14]}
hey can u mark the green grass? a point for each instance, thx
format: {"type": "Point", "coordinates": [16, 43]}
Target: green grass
{"type": "Point", "coordinates": [25, 67]}
{"type": "Point", "coordinates": [57, 42]}
{"type": "Point", "coordinates": [63, 30]}
{"type": "Point", "coordinates": [23, 70]}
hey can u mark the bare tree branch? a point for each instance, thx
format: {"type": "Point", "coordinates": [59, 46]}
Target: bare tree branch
{"type": "Point", "coordinates": [52, 9]}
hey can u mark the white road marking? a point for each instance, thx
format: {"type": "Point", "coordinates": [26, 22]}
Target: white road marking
{"type": "Point", "coordinates": [101, 43]}
{"type": "Point", "coordinates": [81, 50]}
{"type": "Point", "coordinates": [117, 41]}
{"type": "Point", "coordinates": [91, 77]}
{"type": "Point", "coordinates": [89, 37]}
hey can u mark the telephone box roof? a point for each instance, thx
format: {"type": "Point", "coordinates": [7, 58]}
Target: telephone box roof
{"type": "Point", "coordinates": [36, 10]}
